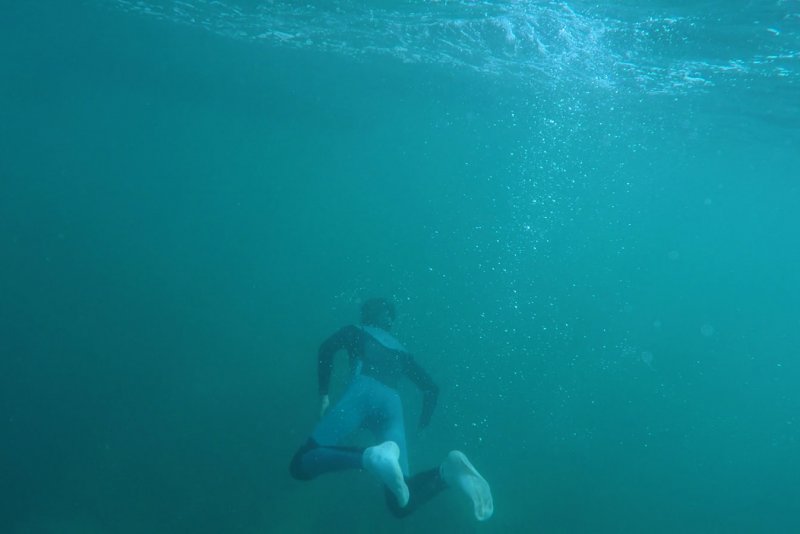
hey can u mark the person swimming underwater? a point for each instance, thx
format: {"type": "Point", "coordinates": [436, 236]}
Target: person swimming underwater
{"type": "Point", "coordinates": [378, 361]}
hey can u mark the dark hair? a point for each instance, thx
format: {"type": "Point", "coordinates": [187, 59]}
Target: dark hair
{"type": "Point", "coordinates": [372, 309]}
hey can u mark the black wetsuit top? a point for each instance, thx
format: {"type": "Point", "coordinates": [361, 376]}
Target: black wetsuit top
{"type": "Point", "coordinates": [379, 362]}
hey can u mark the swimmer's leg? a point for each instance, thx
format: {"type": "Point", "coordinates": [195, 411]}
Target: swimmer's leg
{"type": "Point", "coordinates": [322, 453]}
{"type": "Point", "coordinates": [312, 460]}
{"type": "Point", "coordinates": [422, 487]}
{"type": "Point", "coordinates": [389, 425]}
{"type": "Point", "coordinates": [388, 460]}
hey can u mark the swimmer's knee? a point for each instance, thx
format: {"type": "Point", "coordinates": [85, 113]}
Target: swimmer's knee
{"type": "Point", "coordinates": [296, 465]}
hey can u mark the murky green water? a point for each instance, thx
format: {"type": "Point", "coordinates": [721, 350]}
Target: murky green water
{"type": "Point", "coordinates": [585, 213]}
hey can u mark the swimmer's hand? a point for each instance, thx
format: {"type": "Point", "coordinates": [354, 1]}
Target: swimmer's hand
{"type": "Point", "coordinates": [323, 405]}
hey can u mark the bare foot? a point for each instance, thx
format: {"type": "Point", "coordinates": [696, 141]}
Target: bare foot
{"type": "Point", "coordinates": [458, 472]}
{"type": "Point", "coordinates": [383, 461]}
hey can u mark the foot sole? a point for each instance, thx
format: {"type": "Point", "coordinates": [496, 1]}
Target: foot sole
{"type": "Point", "coordinates": [383, 461]}
{"type": "Point", "coordinates": [458, 472]}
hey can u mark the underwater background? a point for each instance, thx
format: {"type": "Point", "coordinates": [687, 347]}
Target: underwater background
{"type": "Point", "coordinates": [587, 214]}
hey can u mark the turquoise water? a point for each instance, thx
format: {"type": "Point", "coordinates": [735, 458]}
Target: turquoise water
{"type": "Point", "coordinates": [586, 213]}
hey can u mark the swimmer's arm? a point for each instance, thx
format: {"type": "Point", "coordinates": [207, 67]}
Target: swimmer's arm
{"type": "Point", "coordinates": [430, 391]}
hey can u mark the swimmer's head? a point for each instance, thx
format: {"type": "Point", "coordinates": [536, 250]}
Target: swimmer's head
{"type": "Point", "coordinates": [378, 312]}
